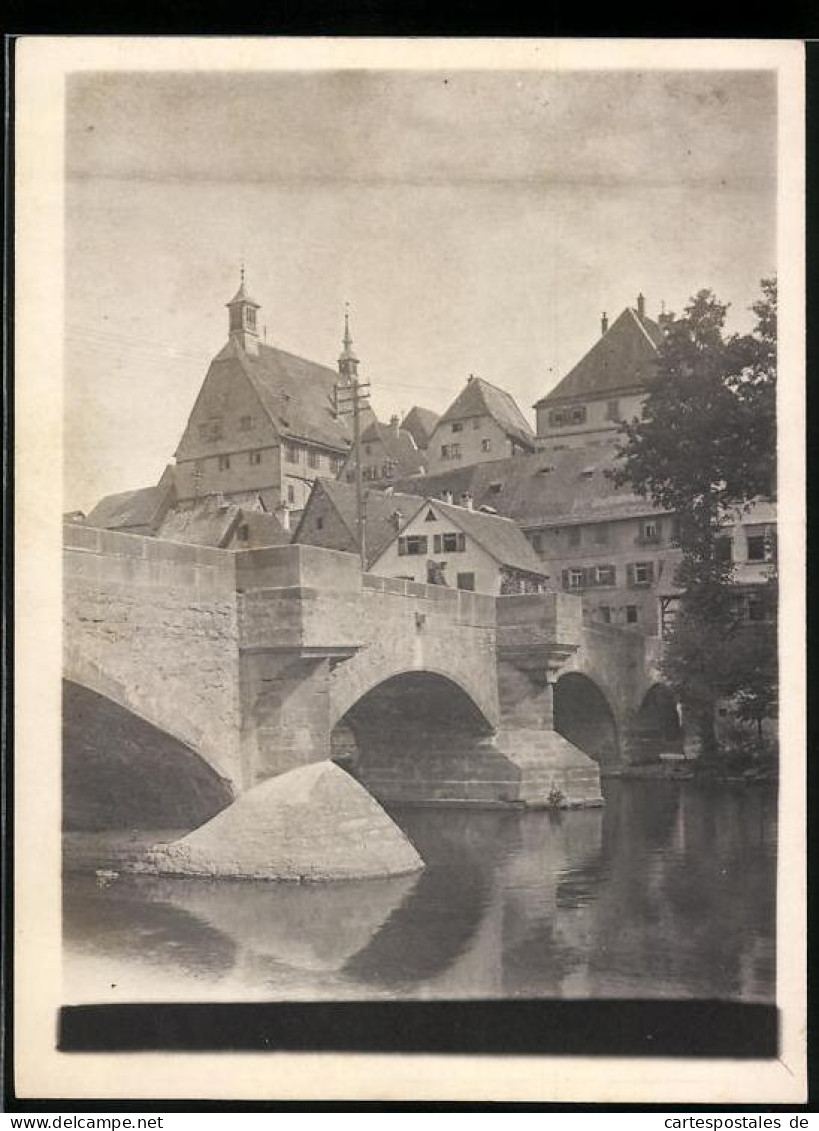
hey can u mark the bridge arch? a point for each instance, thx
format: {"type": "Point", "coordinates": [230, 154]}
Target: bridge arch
{"type": "Point", "coordinates": [120, 771]}
{"type": "Point", "coordinates": [409, 731]}
{"type": "Point", "coordinates": [657, 728]}
{"type": "Point", "coordinates": [582, 714]}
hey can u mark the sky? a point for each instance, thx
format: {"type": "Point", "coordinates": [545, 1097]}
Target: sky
{"type": "Point", "coordinates": [476, 222]}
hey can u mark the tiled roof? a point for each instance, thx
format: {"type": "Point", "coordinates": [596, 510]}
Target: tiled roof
{"type": "Point", "coordinates": [499, 536]}
{"type": "Point", "coordinates": [143, 507]}
{"type": "Point", "coordinates": [296, 393]}
{"type": "Point", "coordinates": [399, 446]}
{"type": "Point", "coordinates": [480, 398]}
{"type": "Point", "coordinates": [574, 489]}
{"type": "Point", "coordinates": [420, 423]}
{"type": "Point", "coordinates": [380, 509]}
{"type": "Point", "coordinates": [623, 358]}
{"type": "Point", "coordinates": [209, 523]}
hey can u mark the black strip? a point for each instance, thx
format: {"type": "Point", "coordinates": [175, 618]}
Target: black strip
{"type": "Point", "coordinates": [563, 1028]}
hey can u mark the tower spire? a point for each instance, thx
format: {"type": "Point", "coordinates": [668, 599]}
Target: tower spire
{"type": "Point", "coordinates": [242, 325]}
{"type": "Point", "coordinates": [347, 362]}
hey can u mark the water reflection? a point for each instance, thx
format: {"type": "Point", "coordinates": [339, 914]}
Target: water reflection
{"type": "Point", "coordinates": [668, 891]}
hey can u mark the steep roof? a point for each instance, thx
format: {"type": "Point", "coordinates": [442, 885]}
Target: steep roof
{"type": "Point", "coordinates": [480, 398]}
{"type": "Point", "coordinates": [209, 523]}
{"type": "Point", "coordinates": [420, 423]}
{"type": "Point", "coordinates": [296, 394]}
{"type": "Point", "coordinates": [143, 507]}
{"type": "Point", "coordinates": [380, 509]}
{"type": "Point", "coordinates": [548, 488]}
{"type": "Point", "coordinates": [623, 358]}
{"type": "Point", "coordinates": [399, 446]}
{"type": "Point", "coordinates": [498, 536]}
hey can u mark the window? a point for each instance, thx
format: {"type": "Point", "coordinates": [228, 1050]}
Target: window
{"type": "Point", "coordinates": [314, 459]}
{"type": "Point", "coordinates": [576, 578]}
{"type": "Point", "coordinates": [537, 541]}
{"type": "Point", "coordinates": [605, 575]}
{"type": "Point", "coordinates": [255, 457]}
{"type": "Point", "coordinates": [476, 423]}
{"type": "Point", "coordinates": [631, 614]}
{"type": "Point", "coordinates": [557, 418]}
{"type": "Point", "coordinates": [243, 533]}
{"type": "Point", "coordinates": [388, 469]}
{"type": "Point", "coordinates": [605, 614]}
{"type": "Point", "coordinates": [650, 531]}
{"type": "Point", "coordinates": [444, 451]}
{"type": "Point", "coordinates": [291, 453]}
{"type": "Point", "coordinates": [641, 573]}
{"type": "Point", "coordinates": [486, 445]}
{"type": "Point", "coordinates": [211, 430]}
{"type": "Point", "coordinates": [413, 544]}
{"type": "Point", "coordinates": [601, 534]}
{"type": "Point", "coordinates": [723, 549]}
{"type": "Point", "coordinates": [454, 451]}
{"type": "Point", "coordinates": [336, 464]}
{"type": "Point", "coordinates": [454, 543]}
{"type": "Point", "coordinates": [759, 543]}
{"type": "Point", "coordinates": [245, 423]}
{"type": "Point", "coordinates": [250, 314]}
{"type": "Point", "coordinates": [367, 449]}
{"type": "Point", "coordinates": [457, 427]}
{"type": "Point", "coordinates": [495, 488]}
{"type": "Point", "coordinates": [575, 535]}
{"type": "Point", "coordinates": [578, 414]}
{"type": "Point", "coordinates": [320, 522]}
{"type": "Point", "coordinates": [466, 581]}
{"type": "Point", "coordinates": [613, 410]}
{"type": "Point", "coordinates": [291, 493]}
{"type": "Point", "coordinates": [224, 463]}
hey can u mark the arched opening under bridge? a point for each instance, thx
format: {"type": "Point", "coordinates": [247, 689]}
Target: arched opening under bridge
{"type": "Point", "coordinates": [583, 716]}
{"type": "Point", "coordinates": [121, 772]}
{"type": "Point", "coordinates": [414, 736]}
{"type": "Point", "coordinates": [656, 728]}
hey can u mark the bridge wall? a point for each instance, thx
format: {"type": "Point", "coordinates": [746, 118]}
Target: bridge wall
{"type": "Point", "coordinates": [153, 626]}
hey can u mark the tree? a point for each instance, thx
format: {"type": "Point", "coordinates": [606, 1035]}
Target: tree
{"type": "Point", "coordinates": [706, 444]}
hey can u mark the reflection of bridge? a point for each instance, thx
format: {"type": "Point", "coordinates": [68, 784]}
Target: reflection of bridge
{"type": "Point", "coordinates": [263, 660]}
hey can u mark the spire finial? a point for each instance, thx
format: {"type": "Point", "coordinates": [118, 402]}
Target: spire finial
{"type": "Point", "coordinates": [348, 341]}
{"type": "Point", "coordinates": [242, 272]}
{"type": "Point", "coordinates": [348, 361]}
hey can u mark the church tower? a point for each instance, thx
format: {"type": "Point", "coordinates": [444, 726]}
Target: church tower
{"type": "Point", "coordinates": [242, 319]}
{"type": "Point", "coordinates": [347, 362]}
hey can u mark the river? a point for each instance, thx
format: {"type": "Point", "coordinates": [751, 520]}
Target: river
{"type": "Point", "coordinates": [667, 892]}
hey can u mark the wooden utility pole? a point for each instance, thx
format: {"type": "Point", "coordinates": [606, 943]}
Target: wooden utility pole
{"type": "Point", "coordinates": [350, 395]}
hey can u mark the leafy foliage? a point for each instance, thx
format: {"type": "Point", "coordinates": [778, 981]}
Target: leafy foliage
{"type": "Point", "coordinates": [705, 445]}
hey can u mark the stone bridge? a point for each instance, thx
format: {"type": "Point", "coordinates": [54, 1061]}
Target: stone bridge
{"type": "Point", "coordinates": [263, 660]}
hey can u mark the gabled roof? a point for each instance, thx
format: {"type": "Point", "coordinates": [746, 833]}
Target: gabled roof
{"type": "Point", "coordinates": [399, 446]}
{"type": "Point", "coordinates": [420, 423]}
{"type": "Point", "coordinates": [548, 488]}
{"type": "Point", "coordinates": [623, 358]}
{"type": "Point", "coordinates": [480, 398]}
{"type": "Point", "coordinates": [143, 507]}
{"type": "Point", "coordinates": [499, 537]}
{"type": "Point", "coordinates": [210, 522]}
{"type": "Point", "coordinates": [381, 507]}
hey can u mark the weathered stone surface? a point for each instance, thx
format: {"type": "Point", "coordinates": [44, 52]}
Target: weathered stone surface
{"type": "Point", "coordinates": [313, 823]}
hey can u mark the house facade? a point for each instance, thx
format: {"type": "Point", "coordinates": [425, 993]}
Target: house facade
{"type": "Point", "coordinates": [607, 386]}
{"type": "Point", "coordinates": [457, 546]}
{"type": "Point", "coordinates": [482, 424]}
{"type": "Point", "coordinates": [388, 452]}
{"type": "Point", "coordinates": [264, 419]}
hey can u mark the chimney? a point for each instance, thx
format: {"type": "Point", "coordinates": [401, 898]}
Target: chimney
{"type": "Point", "coordinates": [396, 518]}
{"type": "Point", "coordinates": [641, 305]}
{"type": "Point", "coordinates": [395, 422]}
{"type": "Point", "coordinates": [283, 515]}
{"type": "Point", "coordinates": [604, 324]}
{"type": "Point", "coordinates": [467, 500]}
{"type": "Point", "coordinates": [446, 497]}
